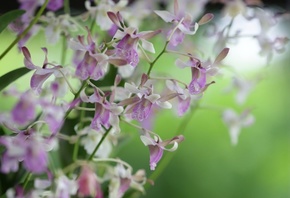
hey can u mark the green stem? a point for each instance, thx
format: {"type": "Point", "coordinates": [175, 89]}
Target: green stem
{"type": "Point", "coordinates": [76, 146]}
{"type": "Point", "coordinates": [64, 50]}
{"type": "Point", "coordinates": [159, 55]}
{"type": "Point", "coordinates": [93, 22]}
{"type": "Point", "coordinates": [20, 36]}
{"type": "Point", "coordinates": [99, 144]}
{"type": "Point", "coordinates": [76, 150]}
{"type": "Point", "coordinates": [66, 7]}
{"type": "Point", "coordinates": [26, 180]}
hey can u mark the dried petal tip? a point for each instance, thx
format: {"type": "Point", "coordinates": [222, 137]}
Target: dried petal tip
{"type": "Point", "coordinates": [114, 18]}
{"type": "Point", "coordinates": [222, 55]}
{"type": "Point", "coordinates": [144, 79]}
{"type": "Point", "coordinates": [205, 19]}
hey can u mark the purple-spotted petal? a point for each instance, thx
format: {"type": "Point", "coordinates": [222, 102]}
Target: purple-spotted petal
{"type": "Point", "coordinates": [140, 110]}
{"type": "Point", "coordinates": [155, 155]}
{"type": "Point", "coordinates": [86, 67]}
{"type": "Point", "coordinates": [39, 77]}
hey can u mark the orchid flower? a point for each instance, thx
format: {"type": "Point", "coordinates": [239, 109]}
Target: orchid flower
{"type": "Point", "coordinates": [140, 104]}
{"type": "Point", "coordinates": [123, 179]}
{"type": "Point", "coordinates": [26, 146]}
{"type": "Point", "coordinates": [184, 98]}
{"type": "Point", "coordinates": [198, 82]}
{"type": "Point", "coordinates": [88, 184]}
{"type": "Point", "coordinates": [42, 73]}
{"type": "Point", "coordinates": [129, 38]}
{"type": "Point", "coordinates": [235, 122]}
{"type": "Point", "coordinates": [106, 113]}
{"type": "Point", "coordinates": [157, 146]}
{"type": "Point", "coordinates": [94, 64]}
{"type": "Point", "coordinates": [184, 22]}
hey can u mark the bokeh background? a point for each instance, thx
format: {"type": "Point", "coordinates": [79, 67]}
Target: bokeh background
{"type": "Point", "coordinates": [206, 165]}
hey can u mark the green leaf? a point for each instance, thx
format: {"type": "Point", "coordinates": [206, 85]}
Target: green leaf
{"type": "Point", "coordinates": [8, 17]}
{"type": "Point", "coordinates": [11, 76]}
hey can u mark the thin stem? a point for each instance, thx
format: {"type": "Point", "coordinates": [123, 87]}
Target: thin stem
{"type": "Point", "coordinates": [20, 36]}
{"type": "Point", "coordinates": [104, 88]}
{"type": "Point", "coordinates": [71, 139]}
{"type": "Point", "coordinates": [144, 53]}
{"type": "Point", "coordinates": [139, 127]}
{"type": "Point", "coordinates": [76, 146]}
{"type": "Point", "coordinates": [73, 166]}
{"type": "Point", "coordinates": [67, 82]}
{"type": "Point", "coordinates": [178, 53]}
{"type": "Point", "coordinates": [64, 50]}
{"type": "Point", "coordinates": [35, 123]}
{"type": "Point", "coordinates": [85, 109]}
{"type": "Point", "coordinates": [94, 86]}
{"type": "Point", "coordinates": [159, 55]}
{"type": "Point", "coordinates": [26, 180]}
{"type": "Point", "coordinates": [160, 78]}
{"type": "Point", "coordinates": [99, 144]}
{"type": "Point", "coordinates": [66, 6]}
{"type": "Point", "coordinates": [164, 49]}
{"type": "Point", "coordinates": [242, 36]}
{"type": "Point", "coordinates": [112, 160]}
{"type": "Point", "coordinates": [175, 28]}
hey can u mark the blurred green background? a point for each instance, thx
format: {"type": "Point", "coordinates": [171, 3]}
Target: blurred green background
{"type": "Point", "coordinates": [206, 165]}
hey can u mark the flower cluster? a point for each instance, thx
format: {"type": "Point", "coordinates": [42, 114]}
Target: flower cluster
{"type": "Point", "coordinates": [111, 79]}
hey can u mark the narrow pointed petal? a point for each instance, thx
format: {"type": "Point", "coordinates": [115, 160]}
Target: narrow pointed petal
{"type": "Point", "coordinates": [179, 63]}
{"type": "Point", "coordinates": [222, 55]}
{"type": "Point", "coordinates": [206, 18]}
{"type": "Point", "coordinates": [114, 18]}
{"type": "Point", "coordinates": [165, 15]}
{"type": "Point", "coordinates": [27, 61]}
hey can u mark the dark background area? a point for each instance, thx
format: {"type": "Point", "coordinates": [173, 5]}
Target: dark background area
{"type": "Point", "coordinates": [79, 5]}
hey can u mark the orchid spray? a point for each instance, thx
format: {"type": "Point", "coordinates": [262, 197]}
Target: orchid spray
{"type": "Point", "coordinates": [110, 75]}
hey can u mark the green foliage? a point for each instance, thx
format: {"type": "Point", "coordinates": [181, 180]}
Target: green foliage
{"type": "Point", "coordinates": [9, 17]}
{"type": "Point", "coordinates": [11, 76]}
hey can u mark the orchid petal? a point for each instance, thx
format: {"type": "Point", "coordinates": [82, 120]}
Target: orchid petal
{"type": "Point", "coordinates": [179, 63]}
{"type": "Point", "coordinates": [186, 30]}
{"type": "Point", "coordinates": [165, 105]}
{"type": "Point", "coordinates": [165, 15]}
{"type": "Point", "coordinates": [221, 55]}
{"type": "Point", "coordinates": [27, 61]}
{"type": "Point", "coordinates": [205, 18]}
{"type": "Point", "coordinates": [147, 140]}
{"type": "Point", "coordinates": [148, 46]}
{"type": "Point", "coordinates": [155, 155]}
{"type": "Point", "coordinates": [153, 97]}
